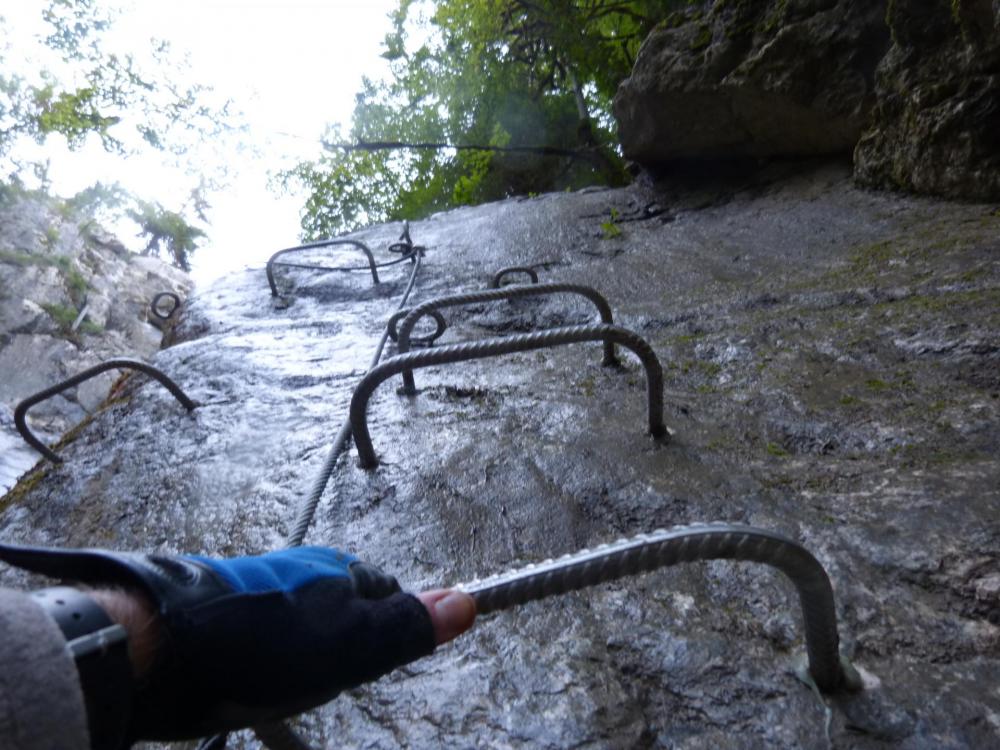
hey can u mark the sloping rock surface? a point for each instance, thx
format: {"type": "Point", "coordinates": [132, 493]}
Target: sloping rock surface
{"type": "Point", "coordinates": [70, 296]}
{"type": "Point", "coordinates": [833, 372]}
{"type": "Point", "coordinates": [936, 127]}
{"type": "Point", "coordinates": [731, 79]}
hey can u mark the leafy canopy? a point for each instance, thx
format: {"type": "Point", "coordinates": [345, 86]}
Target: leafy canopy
{"type": "Point", "coordinates": [81, 88]}
{"type": "Point", "coordinates": [508, 75]}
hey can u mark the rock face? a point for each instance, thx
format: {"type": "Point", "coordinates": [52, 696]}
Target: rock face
{"type": "Point", "coordinates": [832, 372]}
{"type": "Point", "coordinates": [729, 79]}
{"type": "Point", "coordinates": [936, 126]}
{"type": "Point", "coordinates": [70, 297]}
{"type": "Point", "coordinates": [732, 78]}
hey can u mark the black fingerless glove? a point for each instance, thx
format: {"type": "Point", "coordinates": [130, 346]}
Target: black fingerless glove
{"type": "Point", "coordinates": [251, 639]}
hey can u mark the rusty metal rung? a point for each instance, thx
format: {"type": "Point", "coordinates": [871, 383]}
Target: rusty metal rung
{"type": "Point", "coordinates": [499, 275]}
{"type": "Point", "coordinates": [493, 347]}
{"type": "Point", "coordinates": [509, 292]}
{"type": "Point", "coordinates": [21, 412]}
{"type": "Point", "coordinates": [405, 247]}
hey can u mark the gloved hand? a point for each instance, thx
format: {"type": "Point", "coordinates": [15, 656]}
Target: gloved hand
{"type": "Point", "coordinates": [251, 639]}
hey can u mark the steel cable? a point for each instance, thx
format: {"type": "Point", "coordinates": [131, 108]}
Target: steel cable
{"type": "Point", "coordinates": [278, 735]}
{"type": "Point", "coordinates": [307, 508]}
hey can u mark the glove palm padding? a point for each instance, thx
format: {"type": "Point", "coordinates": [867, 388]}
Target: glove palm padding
{"type": "Point", "coordinates": [252, 639]}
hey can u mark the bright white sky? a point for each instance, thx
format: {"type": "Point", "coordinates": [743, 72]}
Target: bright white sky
{"type": "Point", "coordinates": [291, 66]}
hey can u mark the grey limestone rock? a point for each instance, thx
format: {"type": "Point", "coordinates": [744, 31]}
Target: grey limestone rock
{"type": "Point", "coordinates": [731, 79]}
{"type": "Point", "coordinates": [58, 271]}
{"type": "Point", "coordinates": [936, 125]}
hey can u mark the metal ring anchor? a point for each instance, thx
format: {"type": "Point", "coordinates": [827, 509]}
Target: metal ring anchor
{"type": "Point", "coordinates": [662, 548]}
{"type": "Point", "coordinates": [439, 321]}
{"type": "Point", "coordinates": [492, 347]}
{"type": "Point", "coordinates": [509, 292]}
{"type": "Point", "coordinates": [499, 275]}
{"type": "Point", "coordinates": [154, 306]}
{"type": "Point", "coordinates": [20, 413]}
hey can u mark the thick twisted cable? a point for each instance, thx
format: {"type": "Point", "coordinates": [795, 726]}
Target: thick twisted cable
{"type": "Point", "coordinates": [493, 347]}
{"type": "Point", "coordinates": [307, 509]}
{"type": "Point", "coordinates": [20, 413]}
{"type": "Point", "coordinates": [491, 295]}
{"type": "Point", "coordinates": [279, 736]}
{"type": "Point", "coordinates": [372, 266]}
{"type": "Point", "coordinates": [663, 548]}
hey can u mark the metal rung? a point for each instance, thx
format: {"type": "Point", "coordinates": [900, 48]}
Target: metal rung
{"type": "Point", "coordinates": [493, 347]}
{"type": "Point", "coordinates": [20, 413]}
{"type": "Point", "coordinates": [510, 292]}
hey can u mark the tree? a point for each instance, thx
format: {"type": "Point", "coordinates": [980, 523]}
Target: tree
{"type": "Point", "coordinates": [166, 232]}
{"type": "Point", "coordinates": [127, 103]}
{"type": "Point", "coordinates": [530, 81]}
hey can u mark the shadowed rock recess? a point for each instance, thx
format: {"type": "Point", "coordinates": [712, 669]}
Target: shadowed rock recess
{"type": "Point", "coordinates": [910, 87]}
{"type": "Point", "coordinates": [729, 79]}
{"type": "Point", "coordinates": [832, 360]}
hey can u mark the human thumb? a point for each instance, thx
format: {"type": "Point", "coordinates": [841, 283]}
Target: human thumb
{"type": "Point", "coordinates": [451, 612]}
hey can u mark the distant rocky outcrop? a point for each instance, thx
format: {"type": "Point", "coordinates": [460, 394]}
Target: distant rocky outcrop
{"type": "Point", "coordinates": [71, 295]}
{"type": "Point", "coordinates": [910, 87]}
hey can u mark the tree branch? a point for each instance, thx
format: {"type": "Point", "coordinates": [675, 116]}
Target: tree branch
{"type": "Point", "coordinates": [428, 146]}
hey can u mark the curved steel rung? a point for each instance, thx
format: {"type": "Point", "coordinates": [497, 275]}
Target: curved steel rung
{"type": "Point", "coordinates": [273, 260]}
{"type": "Point", "coordinates": [405, 247]}
{"type": "Point", "coordinates": [491, 295]}
{"type": "Point", "coordinates": [492, 347]}
{"type": "Point", "coordinates": [663, 548]}
{"type": "Point", "coordinates": [440, 326]}
{"type": "Point", "coordinates": [499, 275]}
{"type": "Point", "coordinates": [21, 412]}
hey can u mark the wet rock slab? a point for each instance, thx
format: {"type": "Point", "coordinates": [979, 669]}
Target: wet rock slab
{"type": "Point", "coordinates": [832, 373]}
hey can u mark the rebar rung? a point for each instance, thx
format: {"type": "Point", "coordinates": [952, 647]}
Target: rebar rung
{"type": "Point", "coordinates": [21, 412]}
{"type": "Point", "coordinates": [663, 548]}
{"type": "Point", "coordinates": [508, 345]}
{"type": "Point", "coordinates": [491, 295]}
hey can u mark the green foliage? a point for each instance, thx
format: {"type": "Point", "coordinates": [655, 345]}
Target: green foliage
{"type": "Point", "coordinates": [495, 73]}
{"type": "Point", "coordinates": [94, 199]}
{"type": "Point", "coordinates": [107, 91]}
{"type": "Point", "coordinates": [776, 450]}
{"type": "Point", "coordinates": [63, 315]}
{"type": "Point", "coordinates": [77, 285]}
{"type": "Point", "coordinates": [128, 102]}
{"type": "Point", "coordinates": [73, 114]}
{"type": "Point", "coordinates": [166, 233]}
{"type": "Point", "coordinates": [18, 258]}
{"type": "Point", "coordinates": [51, 236]}
{"type": "Point", "coordinates": [610, 228]}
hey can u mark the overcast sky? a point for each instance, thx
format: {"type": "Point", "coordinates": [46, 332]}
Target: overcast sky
{"type": "Point", "coordinates": [292, 66]}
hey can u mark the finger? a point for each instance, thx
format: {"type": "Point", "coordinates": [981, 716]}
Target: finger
{"type": "Point", "coordinates": [452, 612]}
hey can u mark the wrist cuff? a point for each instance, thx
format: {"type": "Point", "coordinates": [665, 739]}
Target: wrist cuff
{"type": "Point", "coordinates": [99, 647]}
